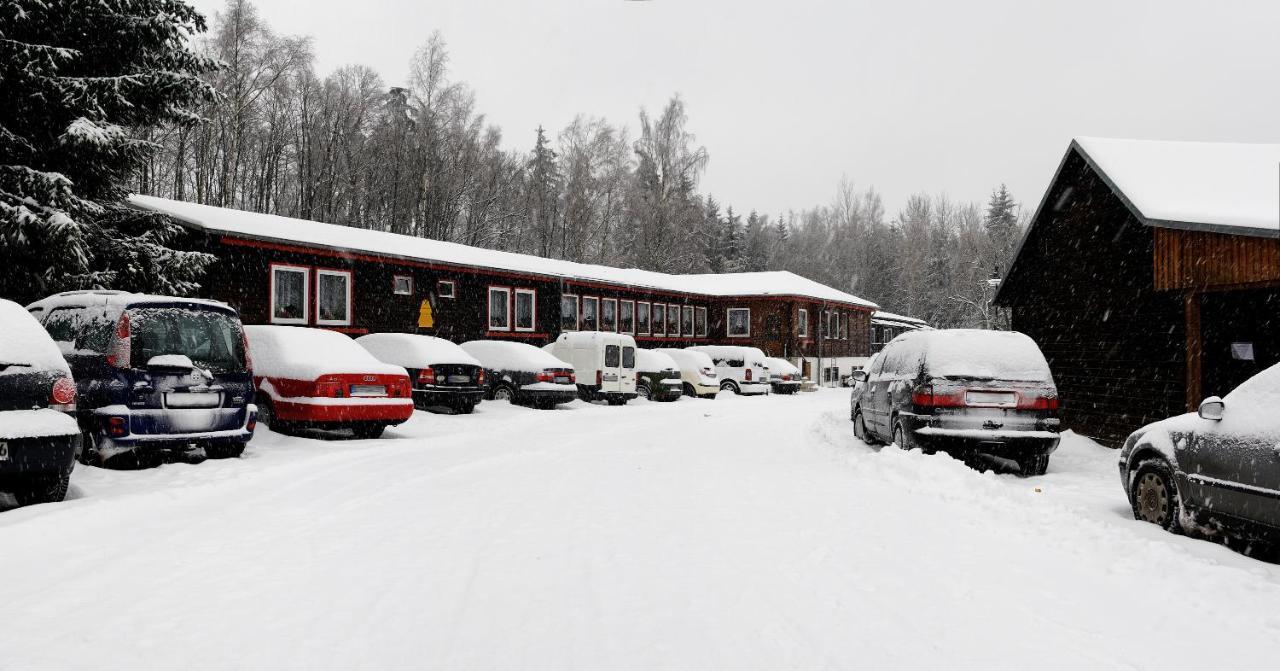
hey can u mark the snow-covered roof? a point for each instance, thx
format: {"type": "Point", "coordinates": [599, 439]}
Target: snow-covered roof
{"type": "Point", "coordinates": [882, 316]}
{"type": "Point", "coordinates": [270, 227]}
{"type": "Point", "coordinates": [117, 299]}
{"type": "Point", "coordinates": [1222, 186]}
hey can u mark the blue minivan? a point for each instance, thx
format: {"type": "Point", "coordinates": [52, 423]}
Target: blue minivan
{"type": "Point", "coordinates": [153, 374]}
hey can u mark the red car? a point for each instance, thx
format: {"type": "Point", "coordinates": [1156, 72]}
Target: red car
{"type": "Point", "coordinates": [312, 378]}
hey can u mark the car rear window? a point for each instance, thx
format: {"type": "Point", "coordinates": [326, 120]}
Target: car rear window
{"type": "Point", "coordinates": [611, 356]}
{"type": "Point", "coordinates": [210, 338]}
{"type": "Point", "coordinates": [628, 357]}
{"type": "Point", "coordinates": [81, 329]}
{"type": "Point", "coordinates": [984, 355]}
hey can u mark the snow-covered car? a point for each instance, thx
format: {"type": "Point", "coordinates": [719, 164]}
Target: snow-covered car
{"type": "Point", "coordinates": [657, 376]}
{"type": "Point", "coordinates": [313, 378]}
{"type": "Point", "coordinates": [784, 377]}
{"type": "Point", "coordinates": [960, 391]}
{"type": "Point", "coordinates": [153, 373]}
{"type": "Point", "coordinates": [38, 431]}
{"type": "Point", "coordinates": [697, 372]}
{"type": "Point", "coordinates": [1216, 469]}
{"type": "Point", "coordinates": [605, 364]}
{"type": "Point", "coordinates": [741, 370]}
{"type": "Point", "coordinates": [443, 374]}
{"type": "Point", "coordinates": [524, 374]}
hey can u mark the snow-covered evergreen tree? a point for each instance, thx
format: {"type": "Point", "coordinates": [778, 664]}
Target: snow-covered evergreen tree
{"type": "Point", "coordinates": [1001, 223]}
{"type": "Point", "coordinates": [79, 78]}
{"type": "Point", "coordinates": [731, 243]}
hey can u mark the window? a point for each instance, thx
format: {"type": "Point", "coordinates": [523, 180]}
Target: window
{"type": "Point", "coordinates": [628, 357]}
{"type": "Point", "coordinates": [686, 323]}
{"type": "Point", "coordinates": [642, 318]}
{"type": "Point", "coordinates": [402, 285]}
{"type": "Point", "coordinates": [333, 297]}
{"type": "Point", "coordinates": [290, 294]}
{"type": "Point", "coordinates": [612, 356]}
{"type": "Point", "coordinates": [499, 309]}
{"type": "Point", "coordinates": [627, 317]}
{"type": "Point", "coordinates": [673, 320]}
{"type": "Point", "coordinates": [802, 323]}
{"type": "Point", "coordinates": [568, 313]}
{"type": "Point", "coordinates": [590, 314]}
{"type": "Point", "coordinates": [526, 309]}
{"type": "Point", "coordinates": [738, 322]}
{"type": "Point", "coordinates": [700, 322]}
{"type": "Point", "coordinates": [833, 325]}
{"type": "Point", "coordinates": [822, 325]}
{"type": "Point", "coordinates": [445, 289]}
{"type": "Point", "coordinates": [609, 314]}
{"type": "Point", "coordinates": [844, 326]}
{"type": "Point", "coordinates": [659, 319]}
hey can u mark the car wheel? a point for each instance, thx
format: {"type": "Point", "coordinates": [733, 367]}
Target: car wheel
{"type": "Point", "coordinates": [1155, 496]}
{"type": "Point", "coordinates": [43, 488]}
{"type": "Point", "coordinates": [860, 428]}
{"type": "Point", "coordinates": [368, 431]}
{"type": "Point", "coordinates": [504, 393]}
{"type": "Point", "coordinates": [900, 438]}
{"type": "Point", "coordinates": [224, 451]}
{"type": "Point", "coordinates": [731, 386]}
{"type": "Point", "coordinates": [689, 390]}
{"type": "Point", "coordinates": [643, 391]}
{"type": "Point", "coordinates": [1037, 464]}
{"type": "Point", "coordinates": [266, 414]}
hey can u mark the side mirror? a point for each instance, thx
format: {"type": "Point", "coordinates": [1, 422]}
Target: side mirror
{"type": "Point", "coordinates": [1212, 408]}
{"type": "Point", "coordinates": [859, 376]}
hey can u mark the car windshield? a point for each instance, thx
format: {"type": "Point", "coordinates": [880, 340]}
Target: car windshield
{"type": "Point", "coordinates": [210, 338]}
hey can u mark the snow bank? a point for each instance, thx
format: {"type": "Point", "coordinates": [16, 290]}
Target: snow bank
{"type": "Point", "coordinates": [36, 423]}
{"type": "Point", "coordinates": [24, 340]}
{"type": "Point", "coordinates": [653, 361]}
{"type": "Point", "coordinates": [1214, 183]}
{"type": "Point", "coordinates": [512, 356]}
{"type": "Point", "coordinates": [300, 353]}
{"type": "Point", "coordinates": [972, 353]}
{"type": "Point", "coordinates": [414, 351]}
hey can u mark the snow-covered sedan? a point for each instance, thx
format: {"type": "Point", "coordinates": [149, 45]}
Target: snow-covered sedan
{"type": "Point", "coordinates": [1217, 469]}
{"type": "Point", "coordinates": [784, 377]}
{"type": "Point", "coordinates": [741, 370]}
{"type": "Point", "coordinates": [697, 372]}
{"type": "Point", "coordinates": [443, 374]}
{"type": "Point", "coordinates": [38, 435]}
{"type": "Point", "coordinates": [524, 374]}
{"type": "Point", "coordinates": [312, 378]}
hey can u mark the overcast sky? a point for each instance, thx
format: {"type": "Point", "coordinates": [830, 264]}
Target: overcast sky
{"type": "Point", "coordinates": [789, 96]}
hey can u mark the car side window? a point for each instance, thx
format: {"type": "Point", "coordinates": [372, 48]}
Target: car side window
{"type": "Point", "coordinates": [79, 329]}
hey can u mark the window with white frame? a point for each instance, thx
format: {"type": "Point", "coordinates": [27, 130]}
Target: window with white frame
{"type": "Point", "coordinates": [591, 314]}
{"type": "Point", "coordinates": [659, 319]}
{"type": "Point", "coordinates": [609, 314]}
{"type": "Point", "coordinates": [627, 317]}
{"type": "Point", "coordinates": [290, 294]}
{"type": "Point", "coordinates": [333, 297]}
{"type": "Point", "coordinates": [822, 324]}
{"type": "Point", "coordinates": [568, 312]}
{"type": "Point", "coordinates": [673, 319]}
{"type": "Point", "coordinates": [802, 323]}
{"type": "Point", "coordinates": [833, 325]}
{"type": "Point", "coordinates": [738, 322]}
{"type": "Point", "coordinates": [445, 289]}
{"type": "Point", "coordinates": [642, 319]}
{"type": "Point", "coordinates": [499, 309]}
{"type": "Point", "coordinates": [402, 285]}
{"type": "Point", "coordinates": [526, 309]}
{"type": "Point", "coordinates": [686, 321]}
{"type": "Point", "coordinates": [700, 322]}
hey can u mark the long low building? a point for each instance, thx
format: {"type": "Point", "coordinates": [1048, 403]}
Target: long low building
{"type": "Point", "coordinates": [279, 270]}
{"type": "Point", "coordinates": [1150, 277]}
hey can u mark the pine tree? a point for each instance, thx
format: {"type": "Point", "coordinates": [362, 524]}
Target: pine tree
{"type": "Point", "coordinates": [544, 190]}
{"type": "Point", "coordinates": [81, 79]}
{"type": "Point", "coordinates": [732, 243]}
{"type": "Point", "coordinates": [1001, 223]}
{"type": "Point", "coordinates": [713, 250]}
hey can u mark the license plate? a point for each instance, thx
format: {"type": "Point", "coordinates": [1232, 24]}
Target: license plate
{"type": "Point", "coordinates": [991, 398]}
{"type": "Point", "coordinates": [368, 390]}
{"type": "Point", "coordinates": [458, 379]}
{"type": "Point", "coordinates": [4, 451]}
{"type": "Point", "coordinates": [203, 399]}
{"type": "Point", "coordinates": [562, 380]}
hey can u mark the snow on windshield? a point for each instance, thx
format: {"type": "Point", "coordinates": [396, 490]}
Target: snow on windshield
{"type": "Point", "coordinates": [24, 341]}
{"type": "Point", "coordinates": [415, 351]}
{"type": "Point", "coordinates": [512, 356]}
{"type": "Point", "coordinates": [971, 353]}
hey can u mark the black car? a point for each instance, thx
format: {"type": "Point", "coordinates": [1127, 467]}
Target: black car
{"type": "Point", "coordinates": [657, 376]}
{"type": "Point", "coordinates": [443, 374]}
{"type": "Point", "coordinates": [153, 374]}
{"type": "Point", "coordinates": [38, 431]}
{"type": "Point", "coordinates": [963, 392]}
{"type": "Point", "coordinates": [1216, 470]}
{"type": "Point", "coordinates": [524, 374]}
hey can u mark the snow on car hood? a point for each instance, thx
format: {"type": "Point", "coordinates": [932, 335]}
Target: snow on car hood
{"type": "Point", "coordinates": [300, 353]}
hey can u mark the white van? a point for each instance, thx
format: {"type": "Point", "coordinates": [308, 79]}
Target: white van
{"type": "Point", "coordinates": [697, 371]}
{"type": "Point", "coordinates": [742, 370]}
{"type": "Point", "coordinates": [605, 363]}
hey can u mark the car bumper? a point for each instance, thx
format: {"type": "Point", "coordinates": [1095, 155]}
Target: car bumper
{"type": "Point", "coordinates": [785, 387]}
{"type": "Point", "coordinates": [393, 412]}
{"type": "Point", "coordinates": [667, 392]}
{"type": "Point", "coordinates": [445, 396]}
{"type": "Point", "coordinates": [165, 429]}
{"type": "Point", "coordinates": [753, 388]}
{"type": "Point", "coordinates": [44, 454]}
{"type": "Point", "coordinates": [1000, 443]}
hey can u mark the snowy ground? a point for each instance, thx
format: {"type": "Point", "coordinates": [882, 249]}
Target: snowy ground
{"type": "Point", "coordinates": [744, 533]}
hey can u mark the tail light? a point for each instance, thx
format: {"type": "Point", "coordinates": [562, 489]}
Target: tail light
{"type": "Point", "coordinates": [252, 423]}
{"type": "Point", "coordinates": [747, 376]}
{"type": "Point", "coordinates": [573, 378]}
{"type": "Point", "coordinates": [329, 386]}
{"type": "Point", "coordinates": [924, 396]}
{"type": "Point", "coordinates": [599, 378]}
{"type": "Point", "coordinates": [117, 427]}
{"type": "Point", "coordinates": [480, 376]}
{"type": "Point", "coordinates": [786, 378]}
{"type": "Point", "coordinates": [121, 344]}
{"type": "Point", "coordinates": [1037, 402]}
{"type": "Point", "coordinates": [248, 360]}
{"type": "Point", "coordinates": [427, 376]}
{"type": "Point", "coordinates": [63, 395]}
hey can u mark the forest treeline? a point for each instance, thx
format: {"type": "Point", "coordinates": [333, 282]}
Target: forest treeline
{"type": "Point", "coordinates": [421, 159]}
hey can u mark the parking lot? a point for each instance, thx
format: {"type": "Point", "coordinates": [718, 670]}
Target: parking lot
{"type": "Point", "coordinates": [735, 533]}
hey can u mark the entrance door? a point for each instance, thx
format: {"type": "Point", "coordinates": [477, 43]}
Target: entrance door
{"type": "Point", "coordinates": [611, 372]}
{"type": "Point", "coordinates": [1241, 335]}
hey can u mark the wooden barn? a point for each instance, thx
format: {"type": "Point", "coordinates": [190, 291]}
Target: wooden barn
{"type": "Point", "coordinates": [1150, 277]}
{"type": "Point", "coordinates": [277, 270]}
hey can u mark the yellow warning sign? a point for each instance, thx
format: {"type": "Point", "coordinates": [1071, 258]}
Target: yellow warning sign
{"type": "Point", "coordinates": [425, 319]}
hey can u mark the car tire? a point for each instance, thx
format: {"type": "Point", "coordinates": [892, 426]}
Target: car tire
{"type": "Point", "coordinates": [1037, 464]}
{"type": "Point", "coordinates": [368, 431]}
{"type": "Point", "coordinates": [731, 386]}
{"type": "Point", "coordinates": [642, 391]}
{"type": "Point", "coordinates": [689, 390]}
{"type": "Point", "coordinates": [504, 393]}
{"type": "Point", "coordinates": [1154, 495]}
{"type": "Point", "coordinates": [43, 488]}
{"type": "Point", "coordinates": [860, 428]}
{"type": "Point", "coordinates": [266, 413]}
{"type": "Point", "coordinates": [224, 451]}
{"type": "Point", "coordinates": [901, 439]}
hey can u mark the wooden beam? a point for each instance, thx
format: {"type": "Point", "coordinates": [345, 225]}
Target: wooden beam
{"type": "Point", "coordinates": [1195, 348]}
